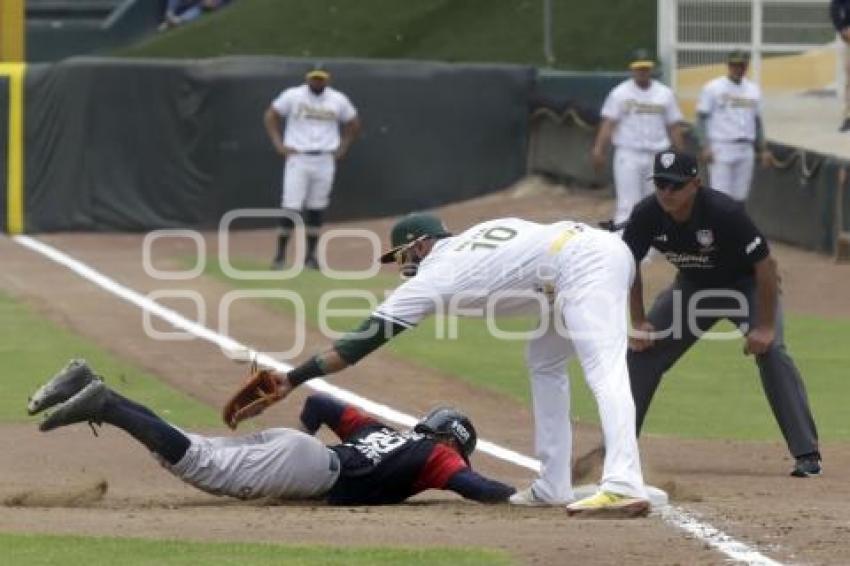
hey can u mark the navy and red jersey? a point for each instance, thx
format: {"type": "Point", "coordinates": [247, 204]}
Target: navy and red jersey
{"type": "Point", "coordinates": [381, 465]}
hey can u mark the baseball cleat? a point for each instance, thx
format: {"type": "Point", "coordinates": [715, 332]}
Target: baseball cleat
{"type": "Point", "coordinates": [609, 505]}
{"type": "Point", "coordinates": [528, 498]}
{"type": "Point", "coordinates": [64, 385]}
{"type": "Point", "coordinates": [85, 406]}
{"type": "Point", "coordinates": [807, 466]}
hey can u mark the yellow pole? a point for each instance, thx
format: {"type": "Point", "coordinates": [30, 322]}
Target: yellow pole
{"type": "Point", "coordinates": [14, 72]}
{"type": "Point", "coordinates": [12, 67]}
{"type": "Point", "coordinates": [11, 31]}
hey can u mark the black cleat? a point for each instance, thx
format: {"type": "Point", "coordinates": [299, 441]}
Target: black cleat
{"type": "Point", "coordinates": [807, 465]}
{"type": "Point", "coordinates": [312, 263]}
{"type": "Point", "coordinates": [85, 406]}
{"type": "Point", "coordinates": [64, 385]}
{"type": "Point", "coordinates": [845, 125]}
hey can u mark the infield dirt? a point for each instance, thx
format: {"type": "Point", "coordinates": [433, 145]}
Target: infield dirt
{"type": "Point", "coordinates": [56, 482]}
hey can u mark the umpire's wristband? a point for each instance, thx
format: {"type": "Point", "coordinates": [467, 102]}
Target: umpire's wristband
{"type": "Point", "coordinates": [306, 371]}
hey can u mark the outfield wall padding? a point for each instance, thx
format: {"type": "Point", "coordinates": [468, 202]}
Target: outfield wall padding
{"type": "Point", "coordinates": [138, 145]}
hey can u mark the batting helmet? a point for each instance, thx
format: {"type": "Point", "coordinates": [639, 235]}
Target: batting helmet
{"type": "Point", "coordinates": [446, 422]}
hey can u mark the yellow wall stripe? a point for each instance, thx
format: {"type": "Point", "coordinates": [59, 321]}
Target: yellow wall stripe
{"type": "Point", "coordinates": [13, 30]}
{"type": "Point", "coordinates": [15, 164]}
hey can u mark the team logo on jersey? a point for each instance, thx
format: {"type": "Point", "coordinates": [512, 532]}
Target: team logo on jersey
{"type": "Point", "coordinates": [705, 237]}
{"type": "Point", "coordinates": [667, 159]}
{"type": "Point", "coordinates": [753, 245]}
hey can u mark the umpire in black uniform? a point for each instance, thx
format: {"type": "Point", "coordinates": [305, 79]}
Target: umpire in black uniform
{"type": "Point", "coordinates": [720, 254]}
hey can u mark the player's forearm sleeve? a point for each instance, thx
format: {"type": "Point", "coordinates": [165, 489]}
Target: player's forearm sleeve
{"type": "Point", "coordinates": [369, 336]}
{"type": "Point", "coordinates": [321, 409]}
{"type": "Point", "coordinates": [478, 488]}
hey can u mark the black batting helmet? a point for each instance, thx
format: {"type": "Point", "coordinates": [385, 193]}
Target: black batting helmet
{"type": "Point", "coordinates": [446, 422]}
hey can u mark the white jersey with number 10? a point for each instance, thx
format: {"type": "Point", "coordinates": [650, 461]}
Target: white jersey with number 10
{"type": "Point", "coordinates": [500, 267]}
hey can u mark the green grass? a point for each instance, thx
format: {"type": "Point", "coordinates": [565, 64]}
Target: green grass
{"type": "Point", "coordinates": [508, 31]}
{"type": "Point", "coordinates": [713, 392]}
{"type": "Point", "coordinates": [32, 550]}
{"type": "Point", "coordinates": [33, 349]}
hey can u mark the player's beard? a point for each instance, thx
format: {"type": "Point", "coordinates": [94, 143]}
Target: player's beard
{"type": "Point", "coordinates": [317, 90]}
{"type": "Point", "coordinates": [409, 264]}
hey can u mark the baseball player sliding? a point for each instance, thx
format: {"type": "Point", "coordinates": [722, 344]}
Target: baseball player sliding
{"type": "Point", "coordinates": [309, 117]}
{"type": "Point", "coordinates": [640, 117]}
{"type": "Point", "coordinates": [374, 464]}
{"type": "Point", "coordinates": [573, 277]}
{"type": "Point", "coordinates": [729, 128]}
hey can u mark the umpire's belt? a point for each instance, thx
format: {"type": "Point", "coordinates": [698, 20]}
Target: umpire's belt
{"type": "Point", "coordinates": [315, 152]}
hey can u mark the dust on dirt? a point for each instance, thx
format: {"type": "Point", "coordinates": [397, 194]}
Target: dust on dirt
{"type": "Point", "coordinates": [72, 496]}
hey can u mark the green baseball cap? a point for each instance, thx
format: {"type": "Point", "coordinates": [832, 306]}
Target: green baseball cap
{"type": "Point", "coordinates": [411, 228]}
{"type": "Point", "coordinates": [738, 56]}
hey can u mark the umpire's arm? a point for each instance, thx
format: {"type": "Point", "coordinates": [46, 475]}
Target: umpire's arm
{"type": "Point", "coordinates": [761, 336]}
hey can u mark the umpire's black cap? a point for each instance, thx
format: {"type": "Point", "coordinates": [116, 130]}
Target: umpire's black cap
{"type": "Point", "coordinates": [674, 166]}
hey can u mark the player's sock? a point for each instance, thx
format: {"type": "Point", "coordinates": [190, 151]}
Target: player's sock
{"type": "Point", "coordinates": [312, 242]}
{"type": "Point", "coordinates": [145, 426]}
{"type": "Point", "coordinates": [281, 247]}
{"type": "Point", "coordinates": [313, 222]}
{"type": "Point", "coordinates": [287, 225]}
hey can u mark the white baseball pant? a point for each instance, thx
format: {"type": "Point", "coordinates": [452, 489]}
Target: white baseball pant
{"type": "Point", "coordinates": [731, 170]}
{"type": "Point", "coordinates": [632, 171]}
{"type": "Point", "coordinates": [279, 462]}
{"type": "Point", "coordinates": [308, 181]}
{"type": "Point", "coordinates": [595, 273]}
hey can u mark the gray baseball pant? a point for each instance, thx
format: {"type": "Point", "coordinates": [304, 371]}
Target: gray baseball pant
{"type": "Point", "coordinates": [780, 378]}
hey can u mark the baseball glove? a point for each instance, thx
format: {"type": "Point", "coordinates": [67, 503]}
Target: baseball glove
{"type": "Point", "coordinates": [260, 391]}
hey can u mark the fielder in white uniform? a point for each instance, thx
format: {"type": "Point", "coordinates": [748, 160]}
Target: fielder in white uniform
{"type": "Point", "coordinates": [640, 117]}
{"type": "Point", "coordinates": [310, 117]}
{"type": "Point", "coordinates": [729, 128]}
{"type": "Point", "coordinates": [576, 279]}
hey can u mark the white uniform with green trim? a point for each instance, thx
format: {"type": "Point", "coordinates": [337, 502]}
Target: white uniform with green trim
{"type": "Point", "coordinates": [312, 130]}
{"type": "Point", "coordinates": [732, 110]}
{"type": "Point", "coordinates": [641, 117]}
{"type": "Point", "coordinates": [577, 280]}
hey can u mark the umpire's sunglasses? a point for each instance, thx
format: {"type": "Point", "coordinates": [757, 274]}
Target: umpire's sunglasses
{"type": "Point", "coordinates": [667, 185]}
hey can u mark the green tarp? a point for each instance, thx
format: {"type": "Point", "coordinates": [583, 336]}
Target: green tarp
{"type": "Point", "coordinates": [136, 145]}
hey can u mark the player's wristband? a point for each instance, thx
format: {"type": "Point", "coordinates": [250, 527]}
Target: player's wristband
{"type": "Point", "coordinates": [306, 371]}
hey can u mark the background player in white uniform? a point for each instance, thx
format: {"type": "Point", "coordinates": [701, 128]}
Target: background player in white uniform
{"type": "Point", "coordinates": [729, 128]}
{"type": "Point", "coordinates": [640, 117]}
{"type": "Point", "coordinates": [568, 274]}
{"type": "Point", "coordinates": [311, 144]}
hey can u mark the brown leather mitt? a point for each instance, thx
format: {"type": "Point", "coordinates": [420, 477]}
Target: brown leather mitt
{"type": "Point", "coordinates": [260, 390]}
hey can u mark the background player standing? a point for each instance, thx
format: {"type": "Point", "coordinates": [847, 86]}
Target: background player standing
{"type": "Point", "coordinates": [309, 117]}
{"type": "Point", "coordinates": [640, 117]}
{"type": "Point", "coordinates": [374, 464]}
{"type": "Point", "coordinates": [722, 256]}
{"type": "Point", "coordinates": [730, 129]}
{"type": "Point", "coordinates": [573, 277]}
